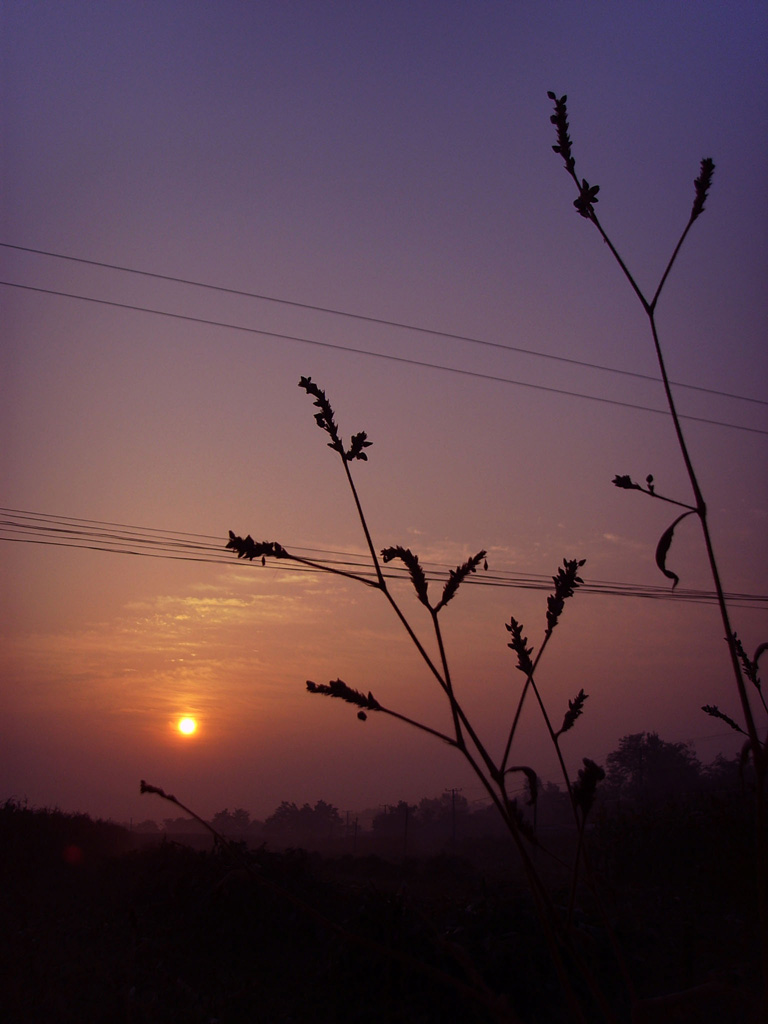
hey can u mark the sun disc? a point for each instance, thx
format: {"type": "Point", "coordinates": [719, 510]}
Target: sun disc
{"type": "Point", "coordinates": [187, 726]}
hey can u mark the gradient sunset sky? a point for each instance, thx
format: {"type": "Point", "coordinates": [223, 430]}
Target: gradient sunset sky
{"type": "Point", "coordinates": [393, 161]}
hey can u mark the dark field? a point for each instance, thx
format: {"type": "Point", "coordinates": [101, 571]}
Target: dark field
{"type": "Point", "coordinates": [96, 931]}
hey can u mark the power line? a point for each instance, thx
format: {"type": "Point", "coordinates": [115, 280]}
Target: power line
{"type": "Point", "coordinates": [376, 355]}
{"type": "Point", "coordinates": [25, 527]}
{"type": "Point", "coordinates": [373, 320]}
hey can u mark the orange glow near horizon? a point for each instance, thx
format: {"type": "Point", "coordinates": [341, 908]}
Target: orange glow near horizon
{"type": "Point", "coordinates": [134, 643]}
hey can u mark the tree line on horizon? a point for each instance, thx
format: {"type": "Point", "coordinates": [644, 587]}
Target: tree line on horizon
{"type": "Point", "coordinates": [643, 771]}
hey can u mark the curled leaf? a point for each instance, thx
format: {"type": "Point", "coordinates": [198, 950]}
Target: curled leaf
{"type": "Point", "coordinates": [532, 780]}
{"type": "Point", "coordinates": [521, 823]}
{"type": "Point", "coordinates": [663, 547]}
{"type": "Point", "coordinates": [744, 753]}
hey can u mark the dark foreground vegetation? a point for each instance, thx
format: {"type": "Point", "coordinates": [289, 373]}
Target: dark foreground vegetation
{"type": "Point", "coordinates": [95, 929]}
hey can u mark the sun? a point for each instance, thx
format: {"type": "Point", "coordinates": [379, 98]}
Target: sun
{"type": "Point", "coordinates": [187, 726]}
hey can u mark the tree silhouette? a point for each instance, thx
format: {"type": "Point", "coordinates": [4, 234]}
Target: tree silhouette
{"type": "Point", "coordinates": [393, 820]}
{"type": "Point", "coordinates": [292, 824]}
{"type": "Point", "coordinates": [231, 823]}
{"type": "Point", "coordinates": [645, 767]}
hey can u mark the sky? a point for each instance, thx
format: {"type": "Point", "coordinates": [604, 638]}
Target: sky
{"type": "Point", "coordinates": [379, 179]}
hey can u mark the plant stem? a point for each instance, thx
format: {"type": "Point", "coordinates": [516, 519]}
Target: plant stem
{"type": "Point", "coordinates": [700, 506]}
{"type": "Point", "coordinates": [443, 678]}
{"type": "Point", "coordinates": [419, 725]}
{"type": "Point", "coordinates": [477, 993]}
{"type": "Point", "coordinates": [363, 523]}
{"type": "Point", "coordinates": [336, 572]}
{"type": "Point", "coordinates": [447, 676]}
{"type": "Point", "coordinates": [491, 776]}
{"type": "Point", "coordinates": [521, 700]}
{"type": "Point", "coordinates": [757, 748]}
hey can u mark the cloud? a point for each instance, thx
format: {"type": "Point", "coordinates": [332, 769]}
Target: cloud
{"type": "Point", "coordinates": [624, 542]}
{"type": "Point", "coordinates": [206, 644]}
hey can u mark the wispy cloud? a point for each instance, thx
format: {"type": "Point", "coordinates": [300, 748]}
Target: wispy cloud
{"type": "Point", "coordinates": [617, 541]}
{"type": "Point", "coordinates": [209, 645]}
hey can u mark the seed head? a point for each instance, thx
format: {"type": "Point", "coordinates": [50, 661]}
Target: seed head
{"type": "Point", "coordinates": [702, 185]}
{"type": "Point", "coordinates": [519, 645]}
{"type": "Point", "coordinates": [560, 120]}
{"type": "Point", "coordinates": [566, 582]}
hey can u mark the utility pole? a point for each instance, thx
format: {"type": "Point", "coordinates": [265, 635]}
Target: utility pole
{"type": "Point", "coordinates": [351, 831]}
{"type": "Point", "coordinates": [453, 793]}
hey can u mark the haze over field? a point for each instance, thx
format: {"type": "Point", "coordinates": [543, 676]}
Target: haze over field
{"type": "Point", "coordinates": [391, 161]}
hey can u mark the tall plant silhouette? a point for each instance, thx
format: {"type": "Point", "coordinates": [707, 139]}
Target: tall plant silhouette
{"type": "Point", "coordinates": [494, 772]}
{"type": "Point", "coordinates": [586, 998]}
{"type": "Point", "coordinates": [745, 669]}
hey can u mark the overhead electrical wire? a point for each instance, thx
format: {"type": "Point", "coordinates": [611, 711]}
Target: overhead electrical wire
{"type": "Point", "coordinates": [25, 527]}
{"type": "Point", "coordinates": [434, 332]}
{"type": "Point", "coordinates": [377, 355]}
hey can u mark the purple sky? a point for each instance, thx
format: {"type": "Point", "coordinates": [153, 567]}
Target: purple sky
{"type": "Point", "coordinates": [392, 161]}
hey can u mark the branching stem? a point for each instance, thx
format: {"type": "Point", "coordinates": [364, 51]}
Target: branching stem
{"type": "Point", "coordinates": [521, 701]}
{"type": "Point", "coordinates": [585, 206]}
